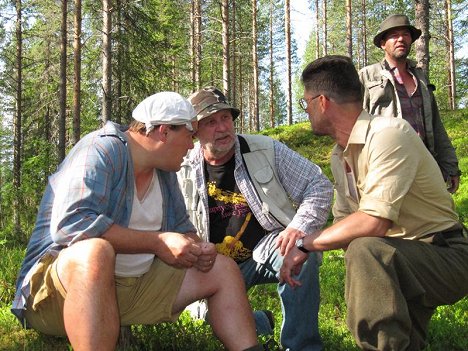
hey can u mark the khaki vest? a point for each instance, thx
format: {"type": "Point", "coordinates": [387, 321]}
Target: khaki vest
{"type": "Point", "coordinates": [260, 164]}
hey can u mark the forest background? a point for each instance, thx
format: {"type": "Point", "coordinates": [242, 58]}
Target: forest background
{"type": "Point", "coordinates": [67, 66]}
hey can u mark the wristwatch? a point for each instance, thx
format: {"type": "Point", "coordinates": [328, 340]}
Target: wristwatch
{"type": "Point", "coordinates": [300, 245]}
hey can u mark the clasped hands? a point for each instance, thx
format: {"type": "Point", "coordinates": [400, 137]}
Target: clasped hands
{"type": "Point", "coordinates": [183, 251]}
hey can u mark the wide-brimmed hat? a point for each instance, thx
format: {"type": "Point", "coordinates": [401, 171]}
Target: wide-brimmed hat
{"type": "Point", "coordinates": [210, 100]}
{"type": "Point", "coordinates": [165, 107]}
{"type": "Point", "coordinates": [395, 21]}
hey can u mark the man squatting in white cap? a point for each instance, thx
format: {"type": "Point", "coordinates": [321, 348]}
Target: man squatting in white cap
{"type": "Point", "coordinates": [113, 245]}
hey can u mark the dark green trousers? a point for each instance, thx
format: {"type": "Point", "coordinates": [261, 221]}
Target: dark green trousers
{"type": "Point", "coordinates": [394, 285]}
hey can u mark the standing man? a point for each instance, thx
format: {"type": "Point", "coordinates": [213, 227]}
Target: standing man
{"type": "Point", "coordinates": [253, 197]}
{"type": "Point", "coordinates": [396, 87]}
{"type": "Point", "coordinates": [113, 244]}
{"type": "Point", "coordinates": [406, 252]}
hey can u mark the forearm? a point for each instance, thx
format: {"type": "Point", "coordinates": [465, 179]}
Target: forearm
{"type": "Point", "coordinates": [175, 249]}
{"type": "Point", "coordinates": [194, 236]}
{"type": "Point", "coordinates": [339, 235]}
{"type": "Point", "coordinates": [130, 241]}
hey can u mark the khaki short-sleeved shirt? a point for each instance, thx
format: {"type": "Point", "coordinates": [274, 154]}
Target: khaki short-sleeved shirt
{"type": "Point", "coordinates": [386, 171]}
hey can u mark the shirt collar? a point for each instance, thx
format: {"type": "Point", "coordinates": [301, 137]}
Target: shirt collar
{"type": "Point", "coordinates": [361, 127]}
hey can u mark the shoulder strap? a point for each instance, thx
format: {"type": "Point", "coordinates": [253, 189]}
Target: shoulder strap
{"type": "Point", "coordinates": [244, 146]}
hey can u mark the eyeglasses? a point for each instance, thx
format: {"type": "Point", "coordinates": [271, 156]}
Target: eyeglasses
{"type": "Point", "coordinates": [305, 102]}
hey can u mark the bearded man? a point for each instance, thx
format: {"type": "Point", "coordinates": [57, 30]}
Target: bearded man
{"type": "Point", "coordinates": [395, 87]}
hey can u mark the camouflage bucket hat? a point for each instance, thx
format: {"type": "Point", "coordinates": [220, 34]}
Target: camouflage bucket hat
{"type": "Point", "coordinates": [210, 100]}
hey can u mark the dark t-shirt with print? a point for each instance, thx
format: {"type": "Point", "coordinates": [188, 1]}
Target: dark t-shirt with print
{"type": "Point", "coordinates": [233, 227]}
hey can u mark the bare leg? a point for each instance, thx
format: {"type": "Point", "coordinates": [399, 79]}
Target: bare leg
{"type": "Point", "coordinates": [230, 313]}
{"type": "Point", "coordinates": [91, 317]}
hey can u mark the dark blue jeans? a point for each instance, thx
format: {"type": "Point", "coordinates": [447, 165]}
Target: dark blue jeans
{"type": "Point", "coordinates": [300, 306]}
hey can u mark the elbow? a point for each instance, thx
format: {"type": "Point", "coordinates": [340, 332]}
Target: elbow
{"type": "Point", "coordinates": [382, 225]}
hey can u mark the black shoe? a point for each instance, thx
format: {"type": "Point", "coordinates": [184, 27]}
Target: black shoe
{"type": "Point", "coordinates": [271, 318]}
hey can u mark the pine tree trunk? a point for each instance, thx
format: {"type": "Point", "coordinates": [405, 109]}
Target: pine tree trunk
{"type": "Point", "coordinates": [17, 137]}
{"type": "Point", "coordinates": [324, 27]}
{"type": "Point", "coordinates": [349, 29]}
{"type": "Point", "coordinates": [317, 30]}
{"type": "Point", "coordinates": [422, 44]}
{"type": "Point", "coordinates": [241, 123]}
{"type": "Point", "coordinates": [63, 82]}
{"type": "Point", "coordinates": [272, 70]}
{"type": "Point", "coordinates": [118, 113]}
{"type": "Point", "coordinates": [451, 52]}
{"type": "Point", "coordinates": [364, 33]}
{"type": "Point", "coordinates": [233, 87]}
{"type": "Point", "coordinates": [47, 117]}
{"type": "Point", "coordinates": [196, 47]}
{"type": "Point", "coordinates": [287, 26]}
{"type": "Point", "coordinates": [77, 74]}
{"type": "Point", "coordinates": [254, 97]}
{"type": "Point", "coordinates": [225, 39]}
{"type": "Point", "coordinates": [106, 61]}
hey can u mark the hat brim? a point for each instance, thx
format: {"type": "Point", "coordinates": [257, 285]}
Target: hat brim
{"type": "Point", "coordinates": [415, 34]}
{"type": "Point", "coordinates": [218, 107]}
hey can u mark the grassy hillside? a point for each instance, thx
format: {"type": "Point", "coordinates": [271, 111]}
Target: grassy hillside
{"type": "Point", "coordinates": [449, 326]}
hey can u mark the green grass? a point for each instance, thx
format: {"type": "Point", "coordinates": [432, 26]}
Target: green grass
{"type": "Point", "coordinates": [448, 330]}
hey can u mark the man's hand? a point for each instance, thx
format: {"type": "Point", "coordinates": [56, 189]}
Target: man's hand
{"type": "Point", "coordinates": [292, 264]}
{"type": "Point", "coordinates": [453, 183]}
{"type": "Point", "coordinates": [286, 240]}
{"type": "Point", "coordinates": [178, 250]}
{"type": "Point", "coordinates": [207, 257]}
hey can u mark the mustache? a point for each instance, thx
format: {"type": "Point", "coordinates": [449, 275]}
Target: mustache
{"type": "Point", "coordinates": [222, 135]}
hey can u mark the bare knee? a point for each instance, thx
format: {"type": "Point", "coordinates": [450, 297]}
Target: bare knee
{"type": "Point", "coordinates": [224, 274]}
{"type": "Point", "coordinates": [226, 271]}
{"type": "Point", "coordinates": [87, 260]}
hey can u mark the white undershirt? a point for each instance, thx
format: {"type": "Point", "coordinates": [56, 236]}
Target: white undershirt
{"type": "Point", "coordinates": [146, 215]}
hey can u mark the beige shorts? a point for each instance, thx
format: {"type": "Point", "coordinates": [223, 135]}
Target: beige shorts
{"type": "Point", "coordinates": [143, 300]}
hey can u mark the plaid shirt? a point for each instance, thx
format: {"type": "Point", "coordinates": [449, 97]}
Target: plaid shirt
{"type": "Point", "coordinates": [92, 190]}
{"type": "Point", "coordinates": [304, 182]}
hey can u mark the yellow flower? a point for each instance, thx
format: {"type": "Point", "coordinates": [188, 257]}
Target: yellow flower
{"type": "Point", "coordinates": [225, 196]}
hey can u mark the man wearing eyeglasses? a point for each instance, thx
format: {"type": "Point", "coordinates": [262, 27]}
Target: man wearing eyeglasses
{"type": "Point", "coordinates": [406, 251]}
{"type": "Point", "coordinates": [255, 198]}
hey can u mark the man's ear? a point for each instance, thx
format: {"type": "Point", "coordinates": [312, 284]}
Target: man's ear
{"type": "Point", "coordinates": [324, 103]}
{"type": "Point", "coordinates": [163, 130]}
{"type": "Point", "coordinates": [382, 43]}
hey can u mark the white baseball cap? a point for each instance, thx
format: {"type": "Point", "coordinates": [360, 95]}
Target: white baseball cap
{"type": "Point", "coordinates": [164, 108]}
